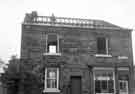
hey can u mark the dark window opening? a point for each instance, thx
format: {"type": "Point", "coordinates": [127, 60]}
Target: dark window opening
{"type": "Point", "coordinates": [97, 86]}
{"type": "Point", "coordinates": [101, 45]}
{"type": "Point", "coordinates": [104, 84]}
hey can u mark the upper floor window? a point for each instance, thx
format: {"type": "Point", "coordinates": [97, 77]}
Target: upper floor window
{"type": "Point", "coordinates": [52, 43]}
{"type": "Point", "coordinates": [102, 45]}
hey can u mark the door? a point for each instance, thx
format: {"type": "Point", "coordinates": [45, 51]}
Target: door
{"type": "Point", "coordinates": [76, 85]}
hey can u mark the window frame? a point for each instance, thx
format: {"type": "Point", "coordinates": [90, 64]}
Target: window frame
{"type": "Point", "coordinates": [106, 54]}
{"type": "Point", "coordinates": [106, 45]}
{"type": "Point", "coordinates": [125, 82]}
{"type": "Point", "coordinates": [104, 78]}
{"type": "Point", "coordinates": [46, 89]}
{"type": "Point", "coordinates": [57, 46]}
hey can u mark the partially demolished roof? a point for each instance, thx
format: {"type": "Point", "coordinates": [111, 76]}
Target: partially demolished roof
{"type": "Point", "coordinates": [34, 19]}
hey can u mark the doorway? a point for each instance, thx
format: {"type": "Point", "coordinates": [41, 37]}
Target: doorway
{"type": "Point", "coordinates": [75, 84]}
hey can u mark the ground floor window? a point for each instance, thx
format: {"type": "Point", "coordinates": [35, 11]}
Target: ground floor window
{"type": "Point", "coordinates": [123, 83]}
{"type": "Point", "coordinates": [123, 86]}
{"type": "Point", "coordinates": [51, 79]}
{"type": "Point", "coordinates": [104, 81]}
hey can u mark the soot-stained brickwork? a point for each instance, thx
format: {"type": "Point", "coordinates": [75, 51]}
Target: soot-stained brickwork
{"type": "Point", "coordinates": [80, 56]}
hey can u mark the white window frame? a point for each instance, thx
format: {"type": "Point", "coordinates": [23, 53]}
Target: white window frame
{"type": "Point", "coordinates": [57, 47]}
{"type": "Point", "coordinates": [126, 82]}
{"type": "Point", "coordinates": [46, 89]}
{"type": "Point", "coordinates": [101, 68]}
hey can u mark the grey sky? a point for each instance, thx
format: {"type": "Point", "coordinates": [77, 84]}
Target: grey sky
{"type": "Point", "coordinates": [119, 12]}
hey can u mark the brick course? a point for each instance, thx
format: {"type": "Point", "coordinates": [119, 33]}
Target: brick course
{"type": "Point", "coordinates": [78, 47]}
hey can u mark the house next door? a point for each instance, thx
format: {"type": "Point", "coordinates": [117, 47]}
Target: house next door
{"type": "Point", "coordinates": [75, 84]}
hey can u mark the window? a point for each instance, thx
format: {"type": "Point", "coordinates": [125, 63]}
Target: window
{"type": "Point", "coordinates": [123, 84]}
{"type": "Point", "coordinates": [52, 43]}
{"type": "Point", "coordinates": [51, 79]}
{"type": "Point", "coordinates": [123, 78]}
{"type": "Point", "coordinates": [104, 86]}
{"type": "Point", "coordinates": [102, 45]}
{"type": "Point", "coordinates": [104, 82]}
{"type": "Point", "coordinates": [52, 47]}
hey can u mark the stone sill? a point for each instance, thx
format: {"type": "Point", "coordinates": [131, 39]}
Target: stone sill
{"type": "Point", "coordinates": [104, 93]}
{"type": "Point", "coordinates": [54, 90]}
{"type": "Point", "coordinates": [122, 57]}
{"type": "Point", "coordinates": [57, 54]}
{"type": "Point", "coordinates": [103, 55]}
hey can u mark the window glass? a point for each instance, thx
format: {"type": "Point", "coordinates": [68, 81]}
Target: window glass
{"type": "Point", "coordinates": [51, 83]}
{"type": "Point", "coordinates": [102, 45]}
{"type": "Point", "coordinates": [97, 86]}
{"type": "Point", "coordinates": [123, 85]}
{"type": "Point", "coordinates": [104, 82]}
{"type": "Point", "coordinates": [52, 78]}
{"type": "Point", "coordinates": [123, 81]}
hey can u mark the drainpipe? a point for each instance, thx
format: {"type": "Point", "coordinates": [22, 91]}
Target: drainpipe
{"type": "Point", "coordinates": [116, 79]}
{"type": "Point", "coordinates": [116, 89]}
{"type": "Point", "coordinates": [92, 89]}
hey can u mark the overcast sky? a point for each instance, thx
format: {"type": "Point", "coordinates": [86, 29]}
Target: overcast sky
{"type": "Point", "coordinates": [119, 12]}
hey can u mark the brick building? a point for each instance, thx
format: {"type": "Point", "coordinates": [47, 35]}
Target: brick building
{"type": "Point", "coordinates": [80, 56]}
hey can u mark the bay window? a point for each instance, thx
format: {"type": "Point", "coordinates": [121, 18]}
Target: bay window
{"type": "Point", "coordinates": [104, 82]}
